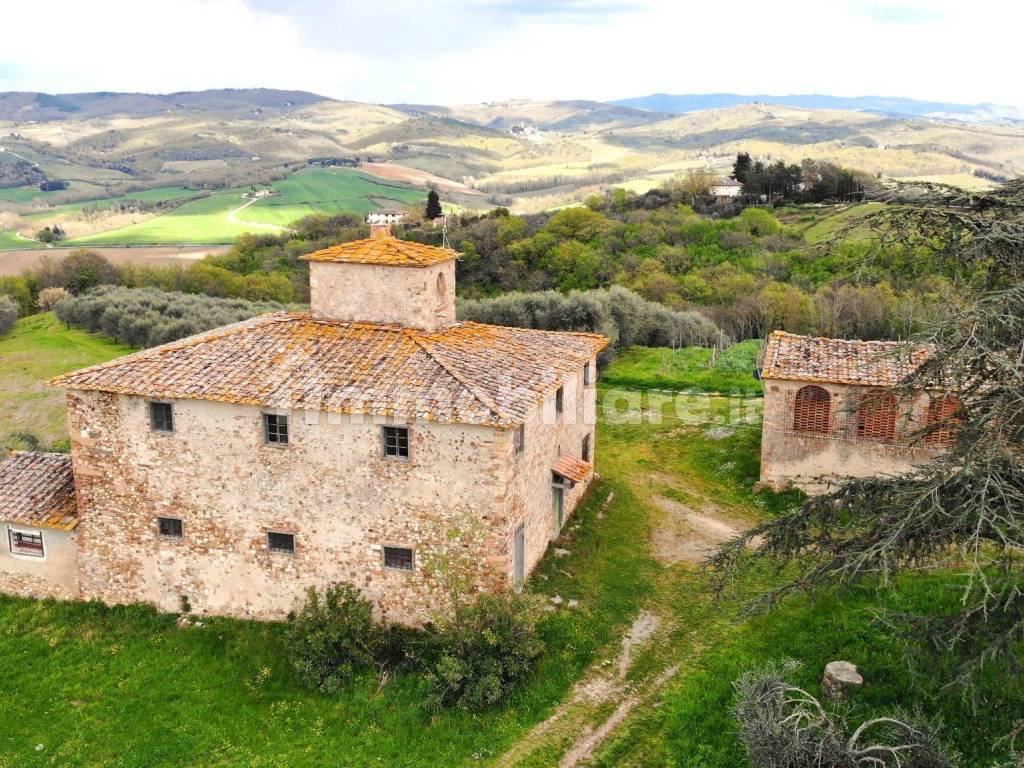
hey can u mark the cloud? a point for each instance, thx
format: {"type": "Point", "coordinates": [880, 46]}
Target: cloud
{"type": "Point", "coordinates": [457, 51]}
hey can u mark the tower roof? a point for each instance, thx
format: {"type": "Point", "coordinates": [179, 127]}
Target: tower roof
{"type": "Point", "coordinates": [383, 251]}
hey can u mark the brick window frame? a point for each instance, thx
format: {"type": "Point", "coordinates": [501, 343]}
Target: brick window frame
{"type": "Point", "coordinates": [395, 442]}
{"type": "Point", "coordinates": [161, 416]}
{"type": "Point", "coordinates": [812, 410]}
{"type": "Point", "coordinates": [944, 410]}
{"type": "Point", "coordinates": [396, 558]}
{"type": "Point", "coordinates": [877, 414]}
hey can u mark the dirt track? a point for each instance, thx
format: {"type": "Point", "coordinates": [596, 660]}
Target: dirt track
{"type": "Point", "coordinates": [15, 262]}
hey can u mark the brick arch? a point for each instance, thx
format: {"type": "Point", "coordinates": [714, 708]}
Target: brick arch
{"type": "Point", "coordinates": [943, 415]}
{"type": "Point", "coordinates": [812, 410]}
{"type": "Point", "coordinates": [876, 417]}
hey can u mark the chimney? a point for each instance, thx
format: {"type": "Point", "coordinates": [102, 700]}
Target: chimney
{"type": "Point", "coordinates": [380, 231]}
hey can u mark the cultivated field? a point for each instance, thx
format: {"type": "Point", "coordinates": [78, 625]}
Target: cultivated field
{"type": "Point", "coordinates": [15, 262]}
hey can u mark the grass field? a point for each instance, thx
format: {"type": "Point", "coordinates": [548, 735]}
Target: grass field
{"type": "Point", "coordinates": [11, 240]}
{"type": "Point", "coordinates": [208, 220]}
{"type": "Point", "coordinates": [329, 190]}
{"type": "Point", "coordinates": [689, 368]}
{"type": "Point", "coordinates": [86, 685]}
{"type": "Point", "coordinates": [40, 347]}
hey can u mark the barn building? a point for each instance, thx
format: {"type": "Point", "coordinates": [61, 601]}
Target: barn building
{"type": "Point", "coordinates": [374, 439]}
{"type": "Point", "coordinates": [830, 412]}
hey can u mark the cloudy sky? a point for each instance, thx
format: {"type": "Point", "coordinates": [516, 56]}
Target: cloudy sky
{"type": "Point", "coordinates": [450, 51]}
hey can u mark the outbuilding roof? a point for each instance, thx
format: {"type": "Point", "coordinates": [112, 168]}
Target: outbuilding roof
{"type": "Point", "coordinates": [572, 468]}
{"type": "Point", "coordinates": [38, 489]}
{"type": "Point", "coordinates": [468, 373]}
{"type": "Point", "coordinates": [840, 361]}
{"type": "Point", "coordinates": [383, 251]}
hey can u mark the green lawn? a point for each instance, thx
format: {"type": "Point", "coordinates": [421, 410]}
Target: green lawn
{"type": "Point", "coordinates": [23, 194]}
{"type": "Point", "coordinates": [329, 190]}
{"type": "Point", "coordinates": [817, 228]}
{"type": "Point", "coordinates": [688, 368]}
{"type": "Point", "coordinates": [98, 686]}
{"type": "Point", "coordinates": [10, 240]}
{"type": "Point", "coordinates": [38, 348]}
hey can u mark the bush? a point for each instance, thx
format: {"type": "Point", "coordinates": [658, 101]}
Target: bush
{"type": "Point", "coordinates": [19, 289]}
{"type": "Point", "coordinates": [146, 317]}
{"type": "Point", "coordinates": [333, 636]}
{"type": "Point", "coordinates": [8, 314]}
{"type": "Point", "coordinates": [79, 271]}
{"type": "Point", "coordinates": [48, 298]}
{"type": "Point", "coordinates": [486, 650]}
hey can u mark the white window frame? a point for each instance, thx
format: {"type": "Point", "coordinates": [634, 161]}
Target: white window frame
{"type": "Point", "coordinates": [22, 554]}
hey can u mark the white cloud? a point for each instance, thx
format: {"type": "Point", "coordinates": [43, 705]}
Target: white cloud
{"type": "Point", "coordinates": [450, 51]}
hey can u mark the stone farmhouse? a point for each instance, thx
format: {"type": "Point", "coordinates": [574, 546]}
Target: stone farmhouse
{"type": "Point", "coordinates": [374, 439]}
{"type": "Point", "coordinates": [830, 412]}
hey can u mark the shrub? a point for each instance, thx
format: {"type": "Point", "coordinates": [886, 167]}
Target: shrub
{"type": "Point", "coordinates": [79, 271]}
{"type": "Point", "coordinates": [48, 298]}
{"type": "Point", "coordinates": [333, 636]}
{"type": "Point", "coordinates": [8, 314]}
{"type": "Point", "coordinates": [486, 650]}
{"type": "Point", "coordinates": [146, 317]}
{"type": "Point", "coordinates": [19, 289]}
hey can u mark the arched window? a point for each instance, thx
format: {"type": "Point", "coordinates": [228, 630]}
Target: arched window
{"type": "Point", "coordinates": [812, 410]}
{"type": "Point", "coordinates": [442, 290]}
{"type": "Point", "coordinates": [876, 417]}
{"type": "Point", "coordinates": [942, 416]}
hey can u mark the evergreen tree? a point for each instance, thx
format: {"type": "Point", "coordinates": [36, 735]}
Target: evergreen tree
{"type": "Point", "coordinates": [741, 168]}
{"type": "Point", "coordinates": [433, 205]}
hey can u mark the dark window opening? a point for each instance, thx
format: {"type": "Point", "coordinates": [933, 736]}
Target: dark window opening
{"type": "Point", "coordinates": [281, 542]}
{"type": "Point", "coordinates": [275, 429]}
{"type": "Point", "coordinates": [586, 374]}
{"type": "Point", "coordinates": [520, 438]}
{"type": "Point", "coordinates": [161, 417]}
{"type": "Point", "coordinates": [398, 557]}
{"type": "Point", "coordinates": [396, 442]}
{"type": "Point", "coordinates": [559, 400]}
{"type": "Point", "coordinates": [170, 527]}
{"type": "Point", "coordinates": [23, 543]}
{"type": "Point", "coordinates": [585, 450]}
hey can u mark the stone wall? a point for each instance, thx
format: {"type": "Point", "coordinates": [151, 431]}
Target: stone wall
{"type": "Point", "coordinates": [410, 296]}
{"type": "Point", "coordinates": [55, 574]}
{"type": "Point", "coordinates": [549, 435]}
{"type": "Point", "coordinates": [330, 486]}
{"type": "Point", "coordinates": [814, 462]}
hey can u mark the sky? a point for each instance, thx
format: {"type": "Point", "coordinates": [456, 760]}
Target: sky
{"type": "Point", "coordinates": [454, 52]}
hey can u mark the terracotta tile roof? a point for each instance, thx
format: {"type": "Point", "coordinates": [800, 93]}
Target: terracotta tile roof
{"type": "Point", "coordinates": [468, 373]}
{"type": "Point", "coordinates": [38, 489]}
{"type": "Point", "coordinates": [388, 251]}
{"type": "Point", "coordinates": [572, 468]}
{"type": "Point", "coordinates": [840, 361]}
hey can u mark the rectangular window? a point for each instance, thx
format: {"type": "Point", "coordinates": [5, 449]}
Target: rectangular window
{"type": "Point", "coordinates": [161, 417]}
{"type": "Point", "coordinates": [398, 557]}
{"type": "Point", "coordinates": [281, 542]}
{"type": "Point", "coordinates": [396, 442]}
{"type": "Point", "coordinates": [519, 440]}
{"type": "Point", "coordinates": [559, 400]}
{"type": "Point", "coordinates": [585, 449]}
{"type": "Point", "coordinates": [275, 429]}
{"type": "Point", "coordinates": [586, 374]}
{"type": "Point", "coordinates": [26, 543]}
{"type": "Point", "coordinates": [170, 527]}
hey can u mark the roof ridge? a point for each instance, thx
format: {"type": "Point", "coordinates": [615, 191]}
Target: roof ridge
{"type": "Point", "coordinates": [473, 390]}
{"type": "Point", "coordinates": [584, 334]}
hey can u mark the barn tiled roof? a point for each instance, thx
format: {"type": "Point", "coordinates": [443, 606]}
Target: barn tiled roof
{"type": "Point", "coordinates": [38, 489]}
{"type": "Point", "coordinates": [572, 468]}
{"type": "Point", "coordinates": [840, 361]}
{"type": "Point", "coordinates": [384, 251]}
{"type": "Point", "coordinates": [468, 373]}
